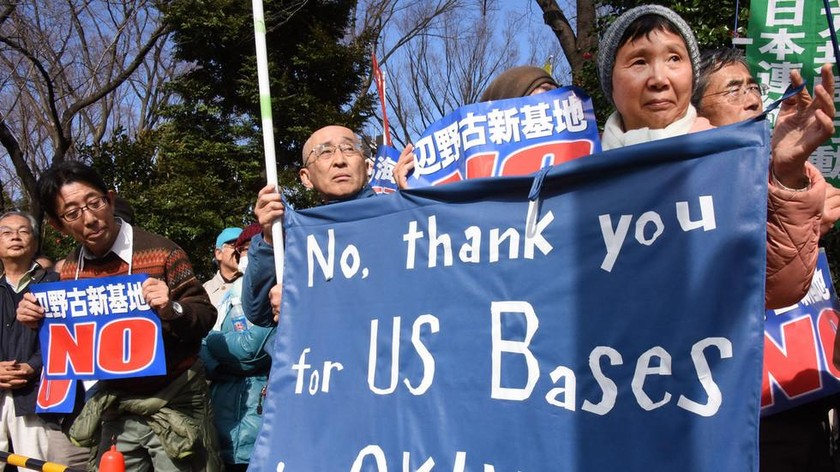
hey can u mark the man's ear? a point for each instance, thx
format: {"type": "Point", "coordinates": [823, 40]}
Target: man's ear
{"type": "Point", "coordinates": [217, 254]}
{"type": "Point", "coordinates": [304, 178]}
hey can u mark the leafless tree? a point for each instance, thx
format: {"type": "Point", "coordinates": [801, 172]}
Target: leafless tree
{"type": "Point", "coordinates": [75, 70]}
{"type": "Point", "coordinates": [441, 54]}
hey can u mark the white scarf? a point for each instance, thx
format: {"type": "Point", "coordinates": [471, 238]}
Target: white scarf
{"type": "Point", "coordinates": [615, 137]}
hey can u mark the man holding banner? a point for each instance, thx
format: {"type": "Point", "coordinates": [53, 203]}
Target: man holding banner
{"type": "Point", "coordinates": [727, 93]}
{"type": "Point", "coordinates": [798, 438]}
{"type": "Point", "coordinates": [335, 167]}
{"type": "Point", "coordinates": [135, 412]}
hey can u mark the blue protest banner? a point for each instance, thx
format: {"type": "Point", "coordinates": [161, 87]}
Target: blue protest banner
{"type": "Point", "coordinates": [56, 396]}
{"type": "Point", "coordinates": [799, 347]}
{"type": "Point", "coordinates": [382, 180]}
{"type": "Point", "coordinates": [611, 321]}
{"type": "Point", "coordinates": [506, 137]}
{"type": "Point", "coordinates": [99, 328]}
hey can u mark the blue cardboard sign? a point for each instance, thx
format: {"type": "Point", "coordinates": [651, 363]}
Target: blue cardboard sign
{"type": "Point", "coordinates": [588, 318]}
{"type": "Point", "coordinates": [99, 328]}
{"type": "Point", "coordinates": [517, 136]}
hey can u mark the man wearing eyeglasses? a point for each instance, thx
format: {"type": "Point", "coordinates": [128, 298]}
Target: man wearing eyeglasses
{"type": "Point", "coordinates": [333, 165]}
{"type": "Point", "coordinates": [800, 438]}
{"type": "Point", "coordinates": [727, 93]}
{"type": "Point", "coordinates": [227, 261]}
{"type": "Point", "coordinates": [20, 354]}
{"type": "Point", "coordinates": [79, 204]}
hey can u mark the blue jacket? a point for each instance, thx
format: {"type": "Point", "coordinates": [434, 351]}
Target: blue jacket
{"type": "Point", "coordinates": [259, 276]}
{"type": "Point", "coordinates": [237, 365]}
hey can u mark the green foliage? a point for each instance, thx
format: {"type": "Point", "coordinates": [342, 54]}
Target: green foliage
{"type": "Point", "coordinates": [712, 22]}
{"type": "Point", "coordinates": [316, 76]}
{"type": "Point", "coordinates": [201, 169]}
{"type": "Point", "coordinates": [54, 244]}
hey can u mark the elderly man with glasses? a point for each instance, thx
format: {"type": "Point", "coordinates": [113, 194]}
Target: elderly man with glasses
{"type": "Point", "coordinates": [335, 167]}
{"type": "Point", "coordinates": [800, 438]}
{"type": "Point", "coordinates": [227, 261]}
{"type": "Point", "coordinates": [20, 354]}
{"type": "Point", "coordinates": [135, 413]}
{"type": "Point", "coordinates": [727, 93]}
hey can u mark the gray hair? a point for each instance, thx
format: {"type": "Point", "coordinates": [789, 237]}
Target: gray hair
{"type": "Point", "coordinates": [711, 61]}
{"type": "Point", "coordinates": [32, 223]}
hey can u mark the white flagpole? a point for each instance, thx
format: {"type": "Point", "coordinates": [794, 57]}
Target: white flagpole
{"type": "Point", "coordinates": [384, 120]}
{"type": "Point", "coordinates": [268, 130]}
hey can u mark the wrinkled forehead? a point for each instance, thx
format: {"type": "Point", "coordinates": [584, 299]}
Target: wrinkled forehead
{"type": "Point", "coordinates": [15, 221]}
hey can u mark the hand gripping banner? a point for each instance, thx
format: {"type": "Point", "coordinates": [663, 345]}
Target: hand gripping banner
{"type": "Point", "coordinates": [606, 314]}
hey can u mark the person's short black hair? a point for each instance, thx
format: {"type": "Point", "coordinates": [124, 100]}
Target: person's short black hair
{"type": "Point", "coordinates": [645, 25]}
{"type": "Point", "coordinates": [711, 61]}
{"type": "Point", "coordinates": [63, 173]}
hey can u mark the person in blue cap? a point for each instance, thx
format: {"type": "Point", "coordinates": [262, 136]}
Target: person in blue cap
{"type": "Point", "coordinates": [226, 260]}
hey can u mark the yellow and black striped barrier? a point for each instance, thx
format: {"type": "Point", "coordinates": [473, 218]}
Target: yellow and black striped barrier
{"type": "Point", "coordinates": [34, 464]}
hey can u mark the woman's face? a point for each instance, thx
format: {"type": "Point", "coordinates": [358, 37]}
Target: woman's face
{"type": "Point", "coordinates": [652, 80]}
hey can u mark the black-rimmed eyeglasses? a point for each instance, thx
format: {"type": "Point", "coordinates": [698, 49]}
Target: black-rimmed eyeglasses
{"type": "Point", "coordinates": [94, 204]}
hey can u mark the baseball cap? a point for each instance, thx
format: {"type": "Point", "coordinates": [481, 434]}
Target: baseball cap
{"type": "Point", "coordinates": [227, 235]}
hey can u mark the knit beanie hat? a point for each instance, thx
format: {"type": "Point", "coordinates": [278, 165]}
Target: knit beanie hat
{"type": "Point", "coordinates": [608, 47]}
{"type": "Point", "coordinates": [517, 82]}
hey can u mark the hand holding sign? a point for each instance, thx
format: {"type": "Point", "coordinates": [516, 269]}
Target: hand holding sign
{"type": "Point", "coordinates": [404, 166]}
{"type": "Point", "coordinates": [275, 296]}
{"type": "Point", "coordinates": [29, 312]}
{"type": "Point", "coordinates": [156, 294]}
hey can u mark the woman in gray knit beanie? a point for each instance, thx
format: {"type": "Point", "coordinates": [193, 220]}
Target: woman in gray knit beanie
{"type": "Point", "coordinates": [647, 65]}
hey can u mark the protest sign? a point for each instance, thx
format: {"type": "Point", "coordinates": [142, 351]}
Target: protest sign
{"type": "Point", "coordinates": [799, 347]}
{"type": "Point", "coordinates": [99, 328]}
{"type": "Point", "coordinates": [506, 137]}
{"type": "Point", "coordinates": [589, 318]}
{"type": "Point", "coordinates": [382, 180]}
{"type": "Point", "coordinates": [786, 35]}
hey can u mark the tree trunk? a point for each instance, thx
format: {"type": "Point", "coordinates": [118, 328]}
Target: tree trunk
{"type": "Point", "coordinates": [579, 47]}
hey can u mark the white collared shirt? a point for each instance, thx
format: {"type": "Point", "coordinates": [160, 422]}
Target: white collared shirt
{"type": "Point", "coordinates": [123, 247]}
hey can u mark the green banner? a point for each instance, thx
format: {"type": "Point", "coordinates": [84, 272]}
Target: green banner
{"type": "Point", "coordinates": [794, 34]}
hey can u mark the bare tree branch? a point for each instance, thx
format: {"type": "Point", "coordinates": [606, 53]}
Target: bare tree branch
{"type": "Point", "coordinates": [64, 64]}
{"type": "Point", "coordinates": [574, 45]}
